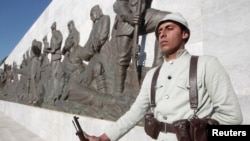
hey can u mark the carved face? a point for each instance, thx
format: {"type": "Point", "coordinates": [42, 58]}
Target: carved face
{"type": "Point", "coordinates": [171, 37]}
{"type": "Point", "coordinates": [70, 26]}
{"type": "Point", "coordinates": [93, 15]}
{"type": "Point", "coordinates": [36, 50]}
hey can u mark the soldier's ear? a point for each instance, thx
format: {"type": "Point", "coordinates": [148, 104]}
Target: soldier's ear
{"type": "Point", "coordinates": [185, 35]}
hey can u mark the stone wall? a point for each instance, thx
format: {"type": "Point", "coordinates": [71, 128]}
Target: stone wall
{"type": "Point", "coordinates": [57, 126]}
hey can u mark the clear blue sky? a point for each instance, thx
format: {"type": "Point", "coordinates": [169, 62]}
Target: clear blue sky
{"type": "Point", "coordinates": [16, 17]}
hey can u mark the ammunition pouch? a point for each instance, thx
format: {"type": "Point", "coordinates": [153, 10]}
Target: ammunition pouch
{"type": "Point", "coordinates": [152, 125]}
{"type": "Point", "coordinates": [185, 130]}
{"type": "Point", "coordinates": [193, 129]}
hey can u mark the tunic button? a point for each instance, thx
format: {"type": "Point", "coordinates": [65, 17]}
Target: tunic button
{"type": "Point", "coordinates": [169, 77]}
{"type": "Point", "coordinates": [165, 118]}
{"type": "Point", "coordinates": [166, 96]}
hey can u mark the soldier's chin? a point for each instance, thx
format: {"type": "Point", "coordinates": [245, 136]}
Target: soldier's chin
{"type": "Point", "coordinates": [166, 53]}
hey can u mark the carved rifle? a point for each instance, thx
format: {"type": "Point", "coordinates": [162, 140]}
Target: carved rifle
{"type": "Point", "coordinates": [136, 46]}
{"type": "Point", "coordinates": [79, 131]}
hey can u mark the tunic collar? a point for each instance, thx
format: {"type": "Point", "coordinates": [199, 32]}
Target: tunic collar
{"type": "Point", "coordinates": [180, 53]}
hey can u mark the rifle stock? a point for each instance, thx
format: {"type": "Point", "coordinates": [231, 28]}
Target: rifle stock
{"type": "Point", "coordinates": [79, 131]}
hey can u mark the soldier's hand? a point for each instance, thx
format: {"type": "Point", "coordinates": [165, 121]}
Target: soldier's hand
{"type": "Point", "coordinates": [96, 45]}
{"type": "Point", "coordinates": [103, 137]}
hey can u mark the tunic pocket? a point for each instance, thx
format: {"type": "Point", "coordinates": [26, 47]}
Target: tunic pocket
{"type": "Point", "coordinates": [159, 87]}
{"type": "Point", "coordinates": [182, 83]}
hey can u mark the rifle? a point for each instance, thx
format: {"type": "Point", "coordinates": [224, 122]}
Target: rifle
{"type": "Point", "coordinates": [136, 35]}
{"type": "Point", "coordinates": [79, 131]}
{"type": "Point", "coordinates": [136, 46]}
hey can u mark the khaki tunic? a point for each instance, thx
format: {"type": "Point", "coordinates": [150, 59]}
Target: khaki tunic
{"type": "Point", "coordinates": [216, 96]}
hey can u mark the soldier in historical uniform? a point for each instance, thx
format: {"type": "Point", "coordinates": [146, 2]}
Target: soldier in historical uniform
{"type": "Point", "coordinates": [216, 97]}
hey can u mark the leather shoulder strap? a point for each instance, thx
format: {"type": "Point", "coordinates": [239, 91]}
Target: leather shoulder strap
{"type": "Point", "coordinates": [153, 84]}
{"type": "Point", "coordinates": [193, 92]}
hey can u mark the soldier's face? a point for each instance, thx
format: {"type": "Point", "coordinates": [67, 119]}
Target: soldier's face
{"type": "Point", "coordinates": [171, 38]}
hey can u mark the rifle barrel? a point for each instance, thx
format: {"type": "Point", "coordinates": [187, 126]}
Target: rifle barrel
{"type": "Point", "coordinates": [136, 34]}
{"type": "Point", "coordinates": [74, 125]}
{"type": "Point", "coordinates": [77, 123]}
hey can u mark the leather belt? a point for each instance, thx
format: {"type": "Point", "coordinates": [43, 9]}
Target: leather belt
{"type": "Point", "coordinates": [166, 127]}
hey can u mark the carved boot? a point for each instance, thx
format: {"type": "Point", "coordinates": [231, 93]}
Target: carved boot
{"type": "Point", "coordinates": [121, 79]}
{"type": "Point", "coordinates": [101, 83]}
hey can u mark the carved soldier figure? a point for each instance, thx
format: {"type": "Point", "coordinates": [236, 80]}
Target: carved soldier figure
{"type": "Point", "coordinates": [2, 78]}
{"type": "Point", "coordinates": [99, 33]}
{"type": "Point", "coordinates": [127, 17]}
{"type": "Point", "coordinates": [15, 83]}
{"type": "Point", "coordinates": [55, 50]}
{"type": "Point", "coordinates": [73, 32]}
{"type": "Point", "coordinates": [9, 78]}
{"type": "Point", "coordinates": [55, 46]}
{"type": "Point", "coordinates": [15, 75]}
{"type": "Point", "coordinates": [35, 71]}
{"type": "Point", "coordinates": [45, 63]}
{"type": "Point", "coordinates": [98, 37]}
{"type": "Point", "coordinates": [45, 68]}
{"type": "Point", "coordinates": [46, 46]}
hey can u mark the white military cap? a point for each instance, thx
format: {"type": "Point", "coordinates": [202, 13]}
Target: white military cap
{"type": "Point", "coordinates": [175, 17]}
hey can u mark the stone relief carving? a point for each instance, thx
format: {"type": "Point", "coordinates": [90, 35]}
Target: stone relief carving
{"type": "Point", "coordinates": [35, 73]}
{"type": "Point", "coordinates": [24, 80]}
{"type": "Point", "coordinates": [45, 67]}
{"type": "Point", "coordinates": [96, 79]}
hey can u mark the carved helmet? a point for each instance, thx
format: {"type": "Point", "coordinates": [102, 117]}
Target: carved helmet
{"type": "Point", "coordinates": [36, 47]}
{"type": "Point", "coordinates": [53, 26]}
{"type": "Point", "coordinates": [175, 17]}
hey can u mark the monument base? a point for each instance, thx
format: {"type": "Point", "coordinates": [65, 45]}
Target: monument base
{"type": "Point", "coordinates": [57, 126]}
